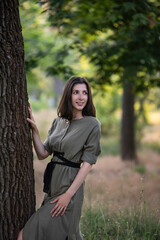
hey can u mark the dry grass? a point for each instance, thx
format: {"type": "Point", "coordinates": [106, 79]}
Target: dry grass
{"type": "Point", "coordinates": [117, 184]}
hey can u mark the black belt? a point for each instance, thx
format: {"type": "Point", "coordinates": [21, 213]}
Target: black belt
{"type": "Point", "coordinates": [51, 165]}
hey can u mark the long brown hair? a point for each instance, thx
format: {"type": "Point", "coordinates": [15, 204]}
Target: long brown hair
{"type": "Point", "coordinates": [65, 106]}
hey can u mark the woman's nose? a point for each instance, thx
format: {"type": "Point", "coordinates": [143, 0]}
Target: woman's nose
{"type": "Point", "coordinates": [80, 95]}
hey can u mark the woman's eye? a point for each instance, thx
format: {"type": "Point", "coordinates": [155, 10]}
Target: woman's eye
{"type": "Point", "coordinates": [76, 92]}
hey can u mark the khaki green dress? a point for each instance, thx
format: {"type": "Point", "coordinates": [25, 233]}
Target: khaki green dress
{"type": "Point", "coordinates": [79, 140]}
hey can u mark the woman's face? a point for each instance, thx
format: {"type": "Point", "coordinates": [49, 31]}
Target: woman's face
{"type": "Point", "coordinates": [79, 97]}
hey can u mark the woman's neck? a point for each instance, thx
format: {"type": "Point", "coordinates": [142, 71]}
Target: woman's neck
{"type": "Point", "coordinates": [77, 115]}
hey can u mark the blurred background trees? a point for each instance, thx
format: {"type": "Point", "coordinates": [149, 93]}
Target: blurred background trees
{"type": "Point", "coordinates": [114, 44]}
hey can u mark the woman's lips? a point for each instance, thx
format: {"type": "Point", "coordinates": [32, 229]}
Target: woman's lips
{"type": "Point", "coordinates": [80, 103]}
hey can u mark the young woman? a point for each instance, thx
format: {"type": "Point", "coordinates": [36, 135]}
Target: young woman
{"type": "Point", "coordinates": [73, 139]}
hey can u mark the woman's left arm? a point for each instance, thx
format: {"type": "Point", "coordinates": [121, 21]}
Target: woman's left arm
{"type": "Point", "coordinates": [63, 200]}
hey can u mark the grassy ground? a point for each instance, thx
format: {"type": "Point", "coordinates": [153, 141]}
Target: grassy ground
{"type": "Point", "coordinates": [136, 224]}
{"type": "Point", "coordinates": [121, 198]}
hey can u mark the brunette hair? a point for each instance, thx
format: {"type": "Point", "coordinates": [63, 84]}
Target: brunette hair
{"type": "Point", "coordinates": [65, 106]}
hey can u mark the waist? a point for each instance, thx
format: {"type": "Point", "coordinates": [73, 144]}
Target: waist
{"type": "Point", "coordinates": [65, 161]}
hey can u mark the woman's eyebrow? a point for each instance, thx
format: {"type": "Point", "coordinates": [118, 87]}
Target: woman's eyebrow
{"type": "Point", "coordinates": [79, 90]}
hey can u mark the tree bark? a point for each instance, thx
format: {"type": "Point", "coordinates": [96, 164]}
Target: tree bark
{"type": "Point", "coordinates": [128, 150]}
{"type": "Point", "coordinates": [17, 195]}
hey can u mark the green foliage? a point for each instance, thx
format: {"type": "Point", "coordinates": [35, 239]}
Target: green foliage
{"type": "Point", "coordinates": [110, 145]}
{"type": "Point", "coordinates": [130, 224]}
{"type": "Point", "coordinates": [59, 66]}
{"type": "Point", "coordinates": [39, 84]}
{"type": "Point", "coordinates": [140, 169]}
{"type": "Point", "coordinates": [35, 34]}
{"type": "Point", "coordinates": [37, 40]}
{"type": "Point", "coordinates": [114, 36]}
{"type": "Point", "coordinates": [107, 103]}
{"type": "Point", "coordinates": [40, 103]}
{"type": "Point", "coordinates": [46, 52]}
{"type": "Point", "coordinates": [141, 116]}
{"type": "Point", "coordinates": [118, 37]}
{"type": "Point", "coordinates": [93, 225]}
{"type": "Point", "coordinates": [154, 146]}
{"type": "Point", "coordinates": [153, 98]}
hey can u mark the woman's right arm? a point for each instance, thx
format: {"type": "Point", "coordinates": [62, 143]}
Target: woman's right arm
{"type": "Point", "coordinates": [38, 145]}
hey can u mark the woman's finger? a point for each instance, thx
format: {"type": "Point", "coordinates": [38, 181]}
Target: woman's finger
{"type": "Point", "coordinates": [63, 211]}
{"type": "Point", "coordinates": [58, 212]}
{"type": "Point", "coordinates": [55, 207]}
{"type": "Point", "coordinates": [31, 121]}
{"type": "Point", "coordinates": [55, 210]}
{"type": "Point", "coordinates": [55, 200]}
{"type": "Point", "coordinates": [30, 113]}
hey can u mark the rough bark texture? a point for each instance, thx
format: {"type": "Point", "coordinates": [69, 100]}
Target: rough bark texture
{"type": "Point", "coordinates": [17, 197]}
{"type": "Point", "coordinates": [128, 124]}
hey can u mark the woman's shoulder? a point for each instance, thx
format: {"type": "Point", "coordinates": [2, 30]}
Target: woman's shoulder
{"type": "Point", "coordinates": [58, 119]}
{"type": "Point", "coordinates": [55, 121]}
{"type": "Point", "coordinates": [93, 121]}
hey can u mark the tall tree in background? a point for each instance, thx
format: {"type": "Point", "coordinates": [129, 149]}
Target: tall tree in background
{"type": "Point", "coordinates": [17, 198]}
{"type": "Point", "coordinates": [121, 38]}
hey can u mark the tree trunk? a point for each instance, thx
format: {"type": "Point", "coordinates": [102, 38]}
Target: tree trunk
{"type": "Point", "coordinates": [17, 196]}
{"type": "Point", "coordinates": [128, 151]}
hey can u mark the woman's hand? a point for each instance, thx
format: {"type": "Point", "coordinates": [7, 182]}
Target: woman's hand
{"type": "Point", "coordinates": [61, 205]}
{"type": "Point", "coordinates": [38, 145]}
{"type": "Point", "coordinates": [31, 119]}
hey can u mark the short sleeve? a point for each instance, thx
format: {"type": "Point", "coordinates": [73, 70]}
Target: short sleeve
{"type": "Point", "coordinates": [92, 146]}
{"type": "Point", "coordinates": [46, 142]}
